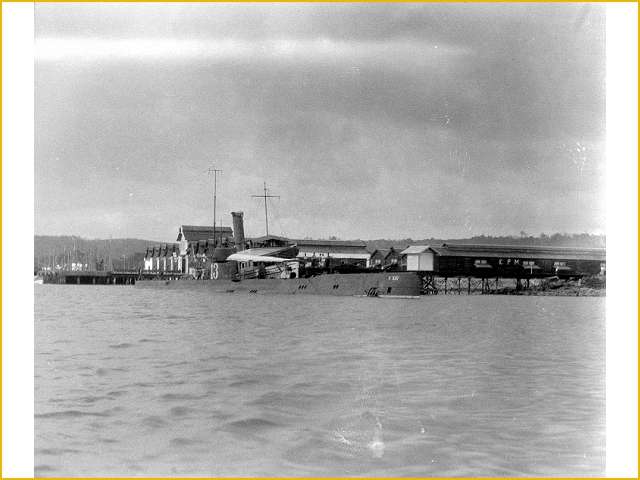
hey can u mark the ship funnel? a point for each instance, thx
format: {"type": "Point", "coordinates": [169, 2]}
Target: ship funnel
{"type": "Point", "coordinates": [238, 230]}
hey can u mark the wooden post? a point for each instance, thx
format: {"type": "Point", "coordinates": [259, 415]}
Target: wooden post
{"type": "Point", "coordinates": [468, 285]}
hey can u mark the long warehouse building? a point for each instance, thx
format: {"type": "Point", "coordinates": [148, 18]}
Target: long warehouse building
{"type": "Point", "coordinates": [506, 261]}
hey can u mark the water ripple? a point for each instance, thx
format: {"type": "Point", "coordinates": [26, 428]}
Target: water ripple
{"type": "Point", "coordinates": [141, 382]}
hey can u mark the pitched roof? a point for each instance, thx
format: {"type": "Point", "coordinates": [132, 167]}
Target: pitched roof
{"type": "Point", "coordinates": [333, 249]}
{"type": "Point", "coordinates": [392, 251]}
{"type": "Point", "coordinates": [331, 243]}
{"type": "Point", "coordinates": [194, 233]}
{"type": "Point", "coordinates": [264, 238]}
{"type": "Point", "coordinates": [415, 249]}
{"type": "Point", "coordinates": [520, 251]}
{"type": "Point", "coordinates": [161, 250]}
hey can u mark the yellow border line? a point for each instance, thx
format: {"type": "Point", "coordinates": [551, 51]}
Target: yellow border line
{"type": "Point", "coordinates": [280, 1]}
{"type": "Point", "coordinates": [318, 1]}
{"type": "Point", "coordinates": [1, 251]}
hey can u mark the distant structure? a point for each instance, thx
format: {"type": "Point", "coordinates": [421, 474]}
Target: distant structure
{"type": "Point", "coordinates": [194, 242]}
{"type": "Point", "coordinates": [384, 258]}
{"type": "Point", "coordinates": [268, 241]}
{"type": "Point", "coordinates": [344, 252]}
{"type": "Point", "coordinates": [457, 260]}
{"type": "Point", "coordinates": [196, 251]}
{"type": "Point", "coordinates": [193, 233]}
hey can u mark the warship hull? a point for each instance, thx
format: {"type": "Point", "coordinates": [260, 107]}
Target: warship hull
{"type": "Point", "coordinates": [379, 284]}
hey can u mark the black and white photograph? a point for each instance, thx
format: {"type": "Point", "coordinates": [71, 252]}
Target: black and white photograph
{"type": "Point", "coordinates": [320, 240]}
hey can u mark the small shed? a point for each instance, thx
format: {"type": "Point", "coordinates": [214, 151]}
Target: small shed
{"type": "Point", "coordinates": [420, 258]}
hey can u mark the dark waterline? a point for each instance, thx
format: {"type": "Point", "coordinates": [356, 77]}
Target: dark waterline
{"type": "Point", "coordinates": [169, 383]}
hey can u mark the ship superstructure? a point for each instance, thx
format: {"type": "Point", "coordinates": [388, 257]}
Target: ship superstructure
{"type": "Point", "coordinates": [271, 264]}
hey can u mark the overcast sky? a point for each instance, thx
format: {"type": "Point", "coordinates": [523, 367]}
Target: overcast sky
{"type": "Point", "coordinates": [369, 120]}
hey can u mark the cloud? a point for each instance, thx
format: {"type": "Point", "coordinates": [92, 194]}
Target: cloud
{"type": "Point", "coordinates": [349, 112]}
{"type": "Point", "coordinates": [322, 49]}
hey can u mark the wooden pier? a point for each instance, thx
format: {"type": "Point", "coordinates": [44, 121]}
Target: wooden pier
{"type": "Point", "coordinates": [123, 277]}
{"type": "Point", "coordinates": [433, 284]}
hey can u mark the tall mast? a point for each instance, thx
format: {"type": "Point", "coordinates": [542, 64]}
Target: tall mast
{"type": "Point", "coordinates": [215, 196]}
{"type": "Point", "coordinates": [265, 196]}
{"type": "Point", "coordinates": [110, 259]}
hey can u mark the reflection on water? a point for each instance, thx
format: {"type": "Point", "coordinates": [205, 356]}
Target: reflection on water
{"type": "Point", "coordinates": [166, 383]}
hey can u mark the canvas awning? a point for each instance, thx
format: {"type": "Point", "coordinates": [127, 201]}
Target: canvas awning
{"type": "Point", "coordinates": [246, 257]}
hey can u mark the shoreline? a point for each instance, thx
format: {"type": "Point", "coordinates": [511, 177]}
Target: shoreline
{"type": "Point", "coordinates": [586, 287]}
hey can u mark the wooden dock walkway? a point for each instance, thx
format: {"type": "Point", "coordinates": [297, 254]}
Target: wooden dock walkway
{"type": "Point", "coordinates": [122, 277]}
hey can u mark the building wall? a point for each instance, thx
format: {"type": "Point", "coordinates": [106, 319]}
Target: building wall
{"type": "Point", "coordinates": [479, 266]}
{"type": "Point", "coordinates": [148, 263]}
{"type": "Point", "coordinates": [335, 257]}
{"type": "Point", "coordinates": [164, 263]}
{"type": "Point", "coordinates": [420, 262]}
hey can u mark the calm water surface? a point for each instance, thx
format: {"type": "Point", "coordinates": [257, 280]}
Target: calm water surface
{"type": "Point", "coordinates": [167, 383]}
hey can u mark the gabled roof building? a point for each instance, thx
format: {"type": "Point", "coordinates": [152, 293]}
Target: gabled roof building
{"type": "Point", "coordinates": [336, 249]}
{"type": "Point", "coordinates": [451, 260]}
{"type": "Point", "coordinates": [194, 233]}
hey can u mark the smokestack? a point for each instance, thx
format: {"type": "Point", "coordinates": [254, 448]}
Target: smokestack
{"type": "Point", "coordinates": [238, 230]}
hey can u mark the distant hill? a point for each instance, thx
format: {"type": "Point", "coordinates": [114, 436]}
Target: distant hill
{"type": "Point", "coordinates": [48, 247]}
{"type": "Point", "coordinates": [584, 240]}
{"type": "Point", "coordinates": [118, 250]}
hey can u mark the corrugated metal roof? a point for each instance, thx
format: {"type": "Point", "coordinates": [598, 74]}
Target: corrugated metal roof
{"type": "Point", "coordinates": [194, 233]}
{"type": "Point", "coordinates": [519, 251]}
{"type": "Point", "coordinates": [265, 238]}
{"type": "Point", "coordinates": [333, 249]}
{"type": "Point", "coordinates": [332, 243]}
